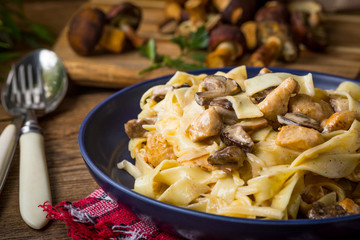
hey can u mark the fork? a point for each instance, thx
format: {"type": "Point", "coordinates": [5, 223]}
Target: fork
{"type": "Point", "coordinates": [28, 96]}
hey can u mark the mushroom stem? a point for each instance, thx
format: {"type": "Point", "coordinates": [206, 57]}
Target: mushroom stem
{"type": "Point", "coordinates": [112, 39]}
{"type": "Point", "coordinates": [266, 53]}
{"type": "Point", "coordinates": [173, 10]}
{"type": "Point", "coordinates": [227, 43]}
{"type": "Point", "coordinates": [273, 22]}
{"type": "Point", "coordinates": [224, 54]}
{"type": "Point", "coordinates": [127, 17]}
{"type": "Point", "coordinates": [197, 12]}
{"type": "Point", "coordinates": [131, 34]}
{"type": "Point", "coordinates": [249, 29]}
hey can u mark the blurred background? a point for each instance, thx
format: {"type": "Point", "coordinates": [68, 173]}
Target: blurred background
{"type": "Point", "coordinates": [29, 24]}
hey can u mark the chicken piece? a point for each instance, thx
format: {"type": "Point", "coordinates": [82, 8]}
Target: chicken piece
{"type": "Point", "coordinates": [201, 162]}
{"type": "Point", "coordinates": [298, 138]}
{"type": "Point", "coordinates": [350, 206]}
{"type": "Point", "coordinates": [339, 104]}
{"type": "Point", "coordinates": [276, 102]}
{"type": "Point", "coordinates": [340, 121]}
{"type": "Point", "coordinates": [207, 124]}
{"type": "Point", "coordinates": [313, 107]}
{"type": "Point", "coordinates": [158, 149]}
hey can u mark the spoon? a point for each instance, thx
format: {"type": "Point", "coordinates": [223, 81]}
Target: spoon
{"type": "Point", "coordinates": [35, 86]}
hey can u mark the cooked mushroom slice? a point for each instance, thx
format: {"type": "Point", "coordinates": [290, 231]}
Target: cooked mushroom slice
{"type": "Point", "coordinates": [321, 211]}
{"type": "Point", "coordinates": [182, 86]}
{"type": "Point", "coordinates": [253, 124]}
{"type": "Point", "coordinates": [207, 124]}
{"type": "Point", "coordinates": [339, 104]}
{"type": "Point", "coordinates": [227, 116]}
{"type": "Point", "coordinates": [134, 127]}
{"type": "Point", "coordinates": [160, 91]}
{"type": "Point", "coordinates": [225, 109]}
{"type": "Point", "coordinates": [260, 96]}
{"type": "Point", "coordinates": [299, 119]}
{"type": "Point", "coordinates": [276, 103]}
{"type": "Point", "coordinates": [340, 121]}
{"type": "Point", "coordinates": [235, 135]}
{"type": "Point", "coordinates": [222, 102]}
{"type": "Point", "coordinates": [228, 157]}
{"type": "Point", "coordinates": [216, 86]}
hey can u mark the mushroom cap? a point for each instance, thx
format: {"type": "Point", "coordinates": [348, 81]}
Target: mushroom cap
{"type": "Point", "coordinates": [85, 30]}
{"type": "Point", "coordinates": [239, 11]}
{"type": "Point", "coordinates": [273, 11]}
{"type": "Point", "coordinates": [305, 6]}
{"type": "Point", "coordinates": [216, 86]}
{"type": "Point", "coordinates": [299, 119]}
{"type": "Point", "coordinates": [235, 135]}
{"type": "Point", "coordinates": [228, 157]}
{"type": "Point", "coordinates": [125, 13]}
{"type": "Point", "coordinates": [225, 110]}
{"type": "Point", "coordinates": [224, 33]}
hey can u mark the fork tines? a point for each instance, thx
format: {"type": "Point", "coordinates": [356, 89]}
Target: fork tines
{"type": "Point", "coordinates": [27, 89]}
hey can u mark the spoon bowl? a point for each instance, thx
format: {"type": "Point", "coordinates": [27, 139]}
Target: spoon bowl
{"type": "Point", "coordinates": [53, 77]}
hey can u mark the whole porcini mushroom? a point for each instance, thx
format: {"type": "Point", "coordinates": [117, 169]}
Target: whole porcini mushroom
{"type": "Point", "coordinates": [307, 24]}
{"type": "Point", "coordinates": [274, 34]}
{"type": "Point", "coordinates": [227, 43]}
{"type": "Point", "coordinates": [175, 14]}
{"type": "Point", "coordinates": [127, 17]}
{"type": "Point", "coordinates": [91, 28]}
{"type": "Point", "coordinates": [86, 29]}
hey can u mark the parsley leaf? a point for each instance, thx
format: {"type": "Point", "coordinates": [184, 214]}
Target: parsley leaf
{"type": "Point", "coordinates": [189, 47]}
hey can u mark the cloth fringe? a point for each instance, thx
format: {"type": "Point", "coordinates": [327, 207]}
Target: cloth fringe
{"type": "Point", "coordinates": [98, 217]}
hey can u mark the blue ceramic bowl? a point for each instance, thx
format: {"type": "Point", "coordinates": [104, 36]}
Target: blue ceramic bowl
{"type": "Point", "coordinates": [103, 143]}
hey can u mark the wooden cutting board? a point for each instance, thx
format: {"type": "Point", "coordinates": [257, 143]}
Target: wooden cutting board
{"type": "Point", "coordinates": [121, 70]}
{"type": "Point", "coordinates": [118, 70]}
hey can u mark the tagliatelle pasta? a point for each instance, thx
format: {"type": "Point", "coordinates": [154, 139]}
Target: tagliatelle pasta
{"type": "Point", "coordinates": [269, 147]}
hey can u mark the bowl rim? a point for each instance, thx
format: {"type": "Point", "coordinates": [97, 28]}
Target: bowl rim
{"type": "Point", "coordinates": [106, 178]}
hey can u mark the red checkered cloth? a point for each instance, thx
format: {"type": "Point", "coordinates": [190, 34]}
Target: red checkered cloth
{"type": "Point", "coordinates": [98, 217]}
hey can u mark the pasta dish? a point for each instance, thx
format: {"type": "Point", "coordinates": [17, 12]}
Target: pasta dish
{"type": "Point", "coordinates": [267, 147]}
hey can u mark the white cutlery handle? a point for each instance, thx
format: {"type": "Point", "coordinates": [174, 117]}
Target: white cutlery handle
{"type": "Point", "coordinates": [34, 187]}
{"type": "Point", "coordinates": [7, 145]}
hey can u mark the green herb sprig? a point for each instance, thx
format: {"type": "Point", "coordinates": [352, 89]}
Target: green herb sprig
{"type": "Point", "coordinates": [18, 32]}
{"type": "Point", "coordinates": [189, 47]}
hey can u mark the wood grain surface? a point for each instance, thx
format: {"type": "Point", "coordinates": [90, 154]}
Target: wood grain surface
{"type": "Point", "coordinates": [69, 177]}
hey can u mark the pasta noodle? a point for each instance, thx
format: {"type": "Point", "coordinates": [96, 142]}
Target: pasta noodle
{"type": "Point", "coordinates": [268, 147]}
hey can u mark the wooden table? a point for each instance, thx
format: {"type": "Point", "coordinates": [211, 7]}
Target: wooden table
{"type": "Point", "coordinates": [69, 177]}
